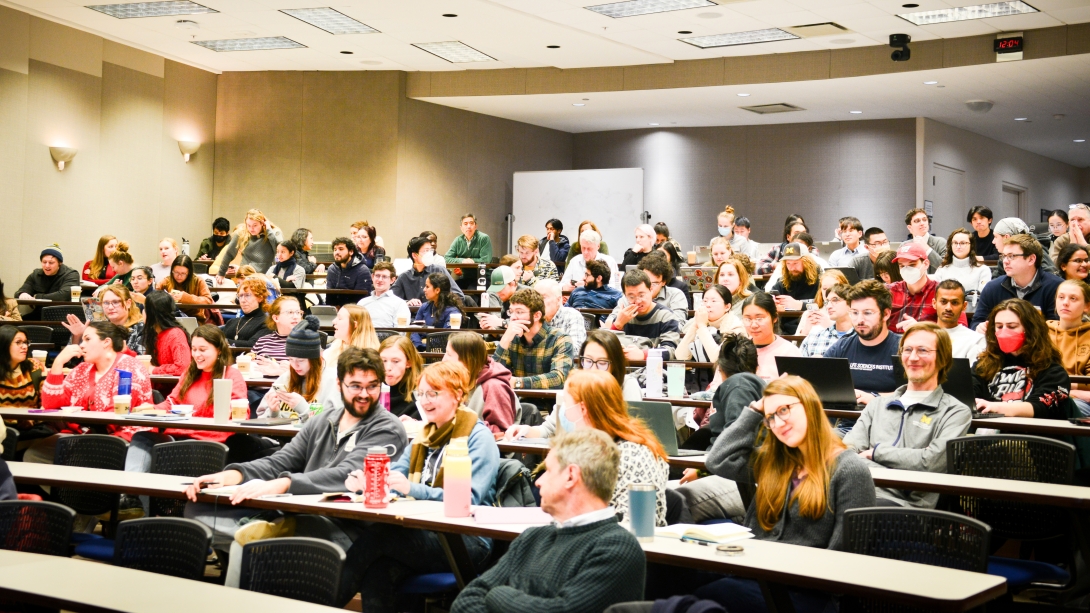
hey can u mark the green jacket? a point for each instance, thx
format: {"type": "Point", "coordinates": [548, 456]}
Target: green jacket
{"type": "Point", "coordinates": [479, 249]}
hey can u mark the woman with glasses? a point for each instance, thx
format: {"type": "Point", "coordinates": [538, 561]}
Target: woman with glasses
{"type": "Point", "coordinates": [20, 375]}
{"type": "Point", "coordinates": [1057, 223]}
{"type": "Point", "coordinates": [703, 333]}
{"type": "Point", "coordinates": [1071, 335]}
{"type": "Point", "coordinates": [805, 479]}
{"type": "Point", "coordinates": [185, 287]}
{"type": "Point", "coordinates": [961, 264]}
{"type": "Point", "coordinates": [142, 281]}
{"type": "Point", "coordinates": [252, 321]}
{"type": "Point", "coordinates": [490, 393]}
{"type": "Point", "coordinates": [284, 315]}
{"type": "Point", "coordinates": [382, 550]}
{"type": "Point", "coordinates": [1074, 262]}
{"type": "Point", "coordinates": [120, 309]}
{"type": "Point", "coordinates": [1021, 373]}
{"type": "Point", "coordinates": [761, 322]}
{"type": "Point", "coordinates": [404, 367]}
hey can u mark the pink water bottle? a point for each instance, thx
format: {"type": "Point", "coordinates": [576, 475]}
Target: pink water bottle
{"type": "Point", "coordinates": [384, 396]}
{"type": "Point", "coordinates": [376, 467]}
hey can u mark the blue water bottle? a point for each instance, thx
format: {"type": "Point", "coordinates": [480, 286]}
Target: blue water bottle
{"type": "Point", "coordinates": [124, 383]}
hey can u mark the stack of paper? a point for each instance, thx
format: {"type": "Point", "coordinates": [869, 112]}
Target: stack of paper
{"type": "Point", "coordinates": [713, 533]}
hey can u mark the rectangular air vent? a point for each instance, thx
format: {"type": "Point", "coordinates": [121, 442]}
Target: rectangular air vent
{"type": "Point", "coordinates": [765, 109]}
{"type": "Point", "coordinates": [817, 29]}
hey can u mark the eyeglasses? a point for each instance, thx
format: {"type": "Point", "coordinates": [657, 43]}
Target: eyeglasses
{"type": "Point", "coordinates": [291, 313]}
{"type": "Point", "coordinates": [111, 303]}
{"type": "Point", "coordinates": [429, 394]}
{"type": "Point", "coordinates": [21, 344]}
{"type": "Point", "coordinates": [960, 243]}
{"type": "Point", "coordinates": [1010, 256]}
{"type": "Point", "coordinates": [884, 243]}
{"type": "Point", "coordinates": [755, 321]}
{"type": "Point", "coordinates": [781, 414]}
{"type": "Point", "coordinates": [923, 352]}
{"type": "Point", "coordinates": [1078, 261]}
{"type": "Point", "coordinates": [589, 363]}
{"type": "Point", "coordinates": [245, 296]}
{"type": "Point", "coordinates": [356, 389]}
{"type": "Point", "coordinates": [831, 298]}
{"type": "Point", "coordinates": [1057, 226]}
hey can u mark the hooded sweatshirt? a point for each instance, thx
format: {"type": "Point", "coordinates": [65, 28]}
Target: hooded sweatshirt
{"type": "Point", "coordinates": [1074, 346]}
{"type": "Point", "coordinates": [493, 399]}
{"type": "Point", "coordinates": [910, 437]}
{"type": "Point", "coordinates": [355, 276]}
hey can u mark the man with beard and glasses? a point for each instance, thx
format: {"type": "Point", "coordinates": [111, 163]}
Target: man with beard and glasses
{"type": "Point", "coordinates": [596, 292]}
{"type": "Point", "coordinates": [318, 459]}
{"type": "Point", "coordinates": [799, 283]}
{"type": "Point", "coordinates": [909, 428]}
{"type": "Point", "coordinates": [870, 351]}
{"type": "Point", "coordinates": [348, 271]}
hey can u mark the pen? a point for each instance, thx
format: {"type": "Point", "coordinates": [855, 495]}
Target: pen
{"type": "Point", "coordinates": [275, 496]}
{"type": "Point", "coordinates": [686, 539]}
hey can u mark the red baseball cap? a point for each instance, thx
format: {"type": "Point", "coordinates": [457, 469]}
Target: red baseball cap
{"type": "Point", "coordinates": [910, 251]}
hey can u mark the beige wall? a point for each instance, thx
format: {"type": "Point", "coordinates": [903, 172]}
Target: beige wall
{"type": "Point", "coordinates": [322, 150]}
{"type": "Point", "coordinates": [821, 171]}
{"type": "Point", "coordinates": [124, 110]}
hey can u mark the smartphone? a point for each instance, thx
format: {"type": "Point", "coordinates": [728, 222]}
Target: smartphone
{"type": "Point", "coordinates": [773, 292]}
{"type": "Point", "coordinates": [1079, 421]}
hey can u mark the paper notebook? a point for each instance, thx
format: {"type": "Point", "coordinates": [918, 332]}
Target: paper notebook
{"type": "Point", "coordinates": [713, 533]}
{"type": "Point", "coordinates": [511, 515]}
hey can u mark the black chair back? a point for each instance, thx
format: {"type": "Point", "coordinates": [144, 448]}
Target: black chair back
{"type": "Point", "coordinates": [90, 451]}
{"type": "Point", "coordinates": [437, 342]}
{"type": "Point", "coordinates": [60, 335]}
{"type": "Point", "coordinates": [384, 334]}
{"type": "Point", "coordinates": [11, 444]}
{"type": "Point", "coordinates": [590, 322]}
{"type": "Point", "coordinates": [38, 334]}
{"type": "Point", "coordinates": [184, 459]}
{"type": "Point", "coordinates": [164, 545]}
{"type": "Point", "coordinates": [300, 568]}
{"type": "Point", "coordinates": [34, 526]}
{"type": "Point", "coordinates": [1015, 457]}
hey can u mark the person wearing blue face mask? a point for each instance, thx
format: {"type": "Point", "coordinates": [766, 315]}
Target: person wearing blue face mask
{"type": "Point", "coordinates": [738, 243]}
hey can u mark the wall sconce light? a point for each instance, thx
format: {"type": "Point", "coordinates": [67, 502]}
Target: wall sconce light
{"type": "Point", "coordinates": [62, 155]}
{"type": "Point", "coordinates": [188, 148]}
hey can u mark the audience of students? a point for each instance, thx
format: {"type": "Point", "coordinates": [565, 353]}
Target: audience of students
{"type": "Point", "coordinates": [165, 340]}
{"type": "Point", "coordinates": [403, 369]}
{"type": "Point", "coordinates": [287, 270]}
{"type": "Point", "coordinates": [596, 291]}
{"type": "Point", "coordinates": [490, 395]}
{"type": "Point", "coordinates": [950, 305]}
{"type": "Point", "coordinates": [980, 218]}
{"type": "Point", "coordinates": [168, 251]}
{"type": "Point", "coordinates": [256, 242]}
{"type": "Point", "coordinates": [913, 296]}
{"type": "Point", "coordinates": [1024, 279]}
{"type": "Point", "coordinates": [909, 428]}
{"type": "Point", "coordinates": [384, 551]}
{"type": "Point", "coordinates": [284, 314]}
{"type": "Point", "coordinates": [503, 284]}
{"type": "Point", "coordinates": [365, 237]}
{"type": "Point", "coordinates": [210, 359]}
{"type": "Point", "coordinates": [876, 242]}
{"type": "Point", "coordinates": [645, 323]}
{"type": "Point", "coordinates": [252, 322]}
{"type": "Point", "coordinates": [736, 366]}
{"type": "Point", "coordinates": [919, 232]}
{"type": "Point", "coordinates": [20, 374]}
{"type": "Point", "coordinates": [348, 271]}
{"type": "Point", "coordinates": [538, 356]}
{"type": "Point", "coordinates": [818, 317]}
{"type": "Point", "coordinates": [383, 304]}
{"type": "Point", "coordinates": [141, 282]}
{"type": "Point", "coordinates": [440, 304]}
{"type": "Point", "coordinates": [871, 349]}
{"type": "Point", "coordinates": [554, 245]}
{"type": "Point", "coordinates": [123, 265]}
{"type": "Point", "coordinates": [961, 263]}
{"type": "Point", "coordinates": [212, 246]}
{"type": "Point", "coordinates": [1070, 336]}
{"type": "Point", "coordinates": [534, 266]}
{"type": "Point", "coordinates": [729, 228]}
{"type": "Point", "coordinates": [185, 287]}
{"type": "Point", "coordinates": [837, 312]}
{"type": "Point", "coordinates": [119, 308]}
{"type": "Point", "coordinates": [1077, 230]}
{"type": "Point", "coordinates": [409, 285]}
{"type": "Point", "coordinates": [798, 284]}
{"type": "Point", "coordinates": [1021, 373]}
{"type": "Point", "coordinates": [304, 244]}
{"type": "Point", "coordinates": [734, 276]}
{"type": "Point", "coordinates": [885, 269]}
{"type": "Point", "coordinates": [1073, 262]}
{"type": "Point", "coordinates": [1057, 223]}
{"type": "Point", "coordinates": [471, 246]}
{"type": "Point", "coordinates": [791, 230]}
{"type": "Point", "coordinates": [98, 269]}
{"type": "Point", "coordinates": [1009, 227]}
{"type": "Point", "coordinates": [590, 243]}
{"type": "Point", "coordinates": [761, 321]}
{"type": "Point", "coordinates": [53, 281]}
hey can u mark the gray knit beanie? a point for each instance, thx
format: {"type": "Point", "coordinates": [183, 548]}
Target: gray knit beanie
{"type": "Point", "coordinates": [304, 340]}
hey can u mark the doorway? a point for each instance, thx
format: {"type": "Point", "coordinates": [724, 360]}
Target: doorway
{"type": "Point", "coordinates": [1014, 203]}
{"type": "Point", "coordinates": [949, 197]}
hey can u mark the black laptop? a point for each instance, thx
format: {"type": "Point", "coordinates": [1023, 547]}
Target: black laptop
{"type": "Point", "coordinates": [660, 418]}
{"type": "Point", "coordinates": [959, 384]}
{"type": "Point", "coordinates": [849, 272]}
{"type": "Point", "coordinates": [831, 378]}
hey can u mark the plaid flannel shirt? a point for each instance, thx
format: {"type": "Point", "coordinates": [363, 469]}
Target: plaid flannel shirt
{"type": "Point", "coordinates": [571, 322]}
{"type": "Point", "coordinates": [542, 363]}
{"type": "Point", "coordinates": [769, 261]}
{"type": "Point", "coordinates": [918, 306]}
{"type": "Point", "coordinates": [818, 341]}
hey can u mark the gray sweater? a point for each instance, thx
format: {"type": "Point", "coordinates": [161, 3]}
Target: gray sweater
{"type": "Point", "coordinates": [259, 253]}
{"type": "Point", "coordinates": [731, 398]}
{"type": "Point", "coordinates": [850, 487]}
{"type": "Point", "coordinates": [317, 460]}
{"type": "Point", "coordinates": [910, 438]}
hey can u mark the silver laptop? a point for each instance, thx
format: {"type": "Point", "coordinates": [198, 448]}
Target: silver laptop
{"type": "Point", "coordinates": [189, 323]}
{"type": "Point", "coordinates": [660, 418]}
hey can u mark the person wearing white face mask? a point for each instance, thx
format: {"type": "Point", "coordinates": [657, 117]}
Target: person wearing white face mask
{"type": "Point", "coordinates": [914, 295]}
{"type": "Point", "coordinates": [960, 263]}
{"type": "Point", "coordinates": [410, 284]}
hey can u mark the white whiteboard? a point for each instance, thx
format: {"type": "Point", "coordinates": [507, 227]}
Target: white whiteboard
{"type": "Point", "coordinates": [611, 198]}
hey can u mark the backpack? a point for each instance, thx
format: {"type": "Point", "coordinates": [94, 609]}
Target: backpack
{"type": "Point", "coordinates": [513, 485]}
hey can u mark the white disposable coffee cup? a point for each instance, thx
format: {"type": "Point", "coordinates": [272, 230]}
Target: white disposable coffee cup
{"type": "Point", "coordinates": [77, 291]}
{"type": "Point", "coordinates": [39, 355]}
{"type": "Point", "coordinates": [455, 320]}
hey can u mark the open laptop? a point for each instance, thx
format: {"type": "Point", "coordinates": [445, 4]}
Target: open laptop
{"type": "Point", "coordinates": [189, 323]}
{"type": "Point", "coordinates": [850, 273]}
{"type": "Point", "coordinates": [698, 279]}
{"type": "Point", "coordinates": [831, 378]}
{"type": "Point", "coordinates": [660, 418]}
{"type": "Point", "coordinates": [959, 384]}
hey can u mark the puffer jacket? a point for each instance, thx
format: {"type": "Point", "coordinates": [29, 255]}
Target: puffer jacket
{"type": "Point", "coordinates": [493, 399]}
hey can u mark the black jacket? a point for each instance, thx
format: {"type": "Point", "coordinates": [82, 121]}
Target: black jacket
{"type": "Point", "coordinates": [244, 330]}
{"type": "Point", "coordinates": [54, 287]}
{"type": "Point", "coordinates": [356, 276]}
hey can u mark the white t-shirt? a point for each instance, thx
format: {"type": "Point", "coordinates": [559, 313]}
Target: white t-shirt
{"type": "Point", "coordinates": [574, 272]}
{"type": "Point", "coordinates": [966, 343]}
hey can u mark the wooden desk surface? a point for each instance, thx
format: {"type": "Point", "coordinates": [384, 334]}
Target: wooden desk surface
{"type": "Point", "coordinates": [926, 586]}
{"type": "Point", "coordinates": [86, 586]}
{"type": "Point", "coordinates": [103, 418]}
{"type": "Point", "coordinates": [173, 380]}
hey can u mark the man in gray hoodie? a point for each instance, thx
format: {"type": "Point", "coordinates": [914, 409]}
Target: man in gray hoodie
{"type": "Point", "coordinates": [328, 447]}
{"type": "Point", "coordinates": [908, 429]}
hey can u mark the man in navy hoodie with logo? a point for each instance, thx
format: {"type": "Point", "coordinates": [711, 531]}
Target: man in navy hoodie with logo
{"type": "Point", "coordinates": [347, 272]}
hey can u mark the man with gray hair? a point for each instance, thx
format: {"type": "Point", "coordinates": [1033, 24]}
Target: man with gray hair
{"type": "Point", "coordinates": [566, 319]}
{"type": "Point", "coordinates": [584, 561]}
{"type": "Point", "coordinates": [589, 241]}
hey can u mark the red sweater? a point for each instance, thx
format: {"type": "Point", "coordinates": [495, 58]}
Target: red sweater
{"type": "Point", "coordinates": [108, 274]}
{"type": "Point", "coordinates": [172, 354]}
{"type": "Point", "coordinates": [79, 388]}
{"type": "Point", "coordinates": [200, 396]}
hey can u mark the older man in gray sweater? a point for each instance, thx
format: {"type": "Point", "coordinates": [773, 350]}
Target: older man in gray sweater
{"type": "Point", "coordinates": [909, 428]}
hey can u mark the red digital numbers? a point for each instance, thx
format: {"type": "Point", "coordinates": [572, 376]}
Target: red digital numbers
{"type": "Point", "coordinates": [1008, 45]}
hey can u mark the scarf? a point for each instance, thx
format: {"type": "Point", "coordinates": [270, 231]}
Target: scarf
{"type": "Point", "coordinates": [437, 437]}
{"type": "Point", "coordinates": [287, 267]}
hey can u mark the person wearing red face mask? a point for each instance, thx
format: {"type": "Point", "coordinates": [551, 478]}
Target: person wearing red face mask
{"type": "Point", "coordinates": [1021, 373]}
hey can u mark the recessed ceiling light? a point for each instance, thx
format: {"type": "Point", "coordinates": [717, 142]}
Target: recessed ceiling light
{"type": "Point", "coordinates": [151, 9]}
{"type": "Point", "coordinates": [856, 112]}
{"type": "Point", "coordinates": [652, 124]}
{"type": "Point", "coordinates": [739, 38]}
{"type": "Point", "coordinates": [455, 52]}
{"type": "Point", "coordinates": [685, 32]}
{"type": "Point", "coordinates": [552, 46]}
{"type": "Point", "coordinates": [250, 44]}
{"type": "Point", "coordinates": [930, 82]}
{"type": "Point", "coordinates": [965, 13]}
{"type": "Point", "coordinates": [449, 15]}
{"type": "Point", "coordinates": [1080, 140]}
{"type": "Point", "coordinates": [347, 52]}
{"type": "Point", "coordinates": [577, 104]}
{"type": "Point", "coordinates": [744, 95]}
{"type": "Point", "coordinates": [910, 5]}
{"type": "Point", "coordinates": [631, 8]}
{"type": "Point", "coordinates": [1021, 118]}
{"type": "Point", "coordinates": [329, 20]}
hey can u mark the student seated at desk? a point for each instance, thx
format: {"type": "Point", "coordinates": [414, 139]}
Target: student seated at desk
{"type": "Point", "coordinates": [1021, 373]}
{"type": "Point", "coordinates": [538, 356]}
{"type": "Point", "coordinates": [284, 315]}
{"type": "Point", "coordinates": [870, 350]}
{"type": "Point", "coordinates": [352, 327]}
{"type": "Point", "coordinates": [836, 314]}
{"type": "Point", "coordinates": [317, 460]}
{"type": "Point", "coordinates": [734, 276]}
{"type": "Point", "coordinates": [596, 292]}
{"type": "Point", "coordinates": [286, 269]}
{"type": "Point", "coordinates": [120, 309]}
{"type": "Point", "coordinates": [303, 382]}
{"type": "Point", "coordinates": [805, 478]}
{"type": "Point", "coordinates": [404, 366]}
{"type": "Point", "coordinates": [123, 264]}
{"type": "Point", "coordinates": [582, 563]}
{"type": "Point", "coordinates": [165, 340]}
{"type": "Point", "coordinates": [908, 429]}
{"type": "Point", "coordinates": [53, 281]}
{"type": "Point", "coordinates": [20, 375]}
{"type": "Point", "coordinates": [384, 553]}
{"type": "Point", "coordinates": [439, 304]}
{"type": "Point", "coordinates": [98, 270]}
{"type": "Point", "coordinates": [490, 394]}
{"type": "Point", "coordinates": [712, 321]}
{"type": "Point", "coordinates": [9, 307]}
{"type": "Point", "coordinates": [1071, 335]}
{"type": "Point", "coordinates": [649, 323]}
{"type": "Point", "coordinates": [186, 287]}
{"type": "Point", "coordinates": [761, 320]}
{"type": "Point", "coordinates": [658, 272]}
{"type": "Point", "coordinates": [252, 323]}
{"type": "Point", "coordinates": [142, 282]}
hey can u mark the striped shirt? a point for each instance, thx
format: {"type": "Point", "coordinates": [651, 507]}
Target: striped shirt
{"type": "Point", "coordinates": [541, 363]}
{"type": "Point", "coordinates": [272, 346]}
{"type": "Point", "coordinates": [660, 325]}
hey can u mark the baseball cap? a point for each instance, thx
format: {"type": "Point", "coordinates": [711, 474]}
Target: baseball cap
{"type": "Point", "coordinates": [501, 276]}
{"type": "Point", "coordinates": [910, 251]}
{"type": "Point", "coordinates": [794, 251]}
{"type": "Point", "coordinates": [1009, 226]}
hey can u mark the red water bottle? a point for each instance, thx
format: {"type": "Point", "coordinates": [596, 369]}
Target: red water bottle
{"type": "Point", "coordinates": [376, 467]}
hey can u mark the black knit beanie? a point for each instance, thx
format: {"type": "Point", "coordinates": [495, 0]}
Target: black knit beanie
{"type": "Point", "coordinates": [304, 341]}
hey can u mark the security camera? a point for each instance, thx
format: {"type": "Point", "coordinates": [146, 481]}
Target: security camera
{"type": "Point", "coordinates": [900, 42]}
